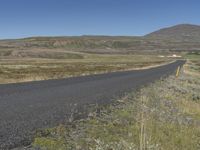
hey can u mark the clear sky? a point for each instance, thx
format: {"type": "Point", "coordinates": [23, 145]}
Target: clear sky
{"type": "Point", "coordinates": [25, 18]}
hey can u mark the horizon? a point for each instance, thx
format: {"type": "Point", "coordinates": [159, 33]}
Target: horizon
{"type": "Point", "coordinates": [51, 18]}
{"type": "Point", "coordinates": [52, 36]}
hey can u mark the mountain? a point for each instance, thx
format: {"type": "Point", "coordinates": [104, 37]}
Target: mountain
{"type": "Point", "coordinates": [183, 32]}
{"type": "Point", "coordinates": [183, 37]}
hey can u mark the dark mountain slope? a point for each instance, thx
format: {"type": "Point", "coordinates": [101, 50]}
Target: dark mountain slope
{"type": "Point", "coordinates": [183, 37]}
{"type": "Point", "coordinates": [181, 32]}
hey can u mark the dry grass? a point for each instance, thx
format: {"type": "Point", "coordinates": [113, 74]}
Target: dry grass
{"type": "Point", "coordinates": [31, 69]}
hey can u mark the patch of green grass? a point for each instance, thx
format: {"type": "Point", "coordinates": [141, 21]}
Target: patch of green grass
{"type": "Point", "coordinates": [170, 136]}
{"type": "Point", "coordinates": [50, 143]}
{"type": "Point", "coordinates": [193, 56]}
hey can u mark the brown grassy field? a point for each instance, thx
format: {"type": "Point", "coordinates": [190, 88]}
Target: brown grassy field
{"type": "Point", "coordinates": [68, 64]}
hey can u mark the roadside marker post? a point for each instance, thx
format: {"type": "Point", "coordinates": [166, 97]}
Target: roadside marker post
{"type": "Point", "coordinates": [178, 71]}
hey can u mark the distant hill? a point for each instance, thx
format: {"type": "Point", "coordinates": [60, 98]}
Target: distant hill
{"type": "Point", "coordinates": [183, 37]}
{"type": "Point", "coordinates": [186, 32]}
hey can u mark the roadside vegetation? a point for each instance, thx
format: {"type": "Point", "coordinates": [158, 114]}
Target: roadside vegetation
{"type": "Point", "coordinates": [51, 65]}
{"type": "Point", "coordinates": [164, 115]}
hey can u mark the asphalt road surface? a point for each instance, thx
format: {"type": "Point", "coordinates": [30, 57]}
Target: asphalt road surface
{"type": "Point", "coordinates": [25, 107]}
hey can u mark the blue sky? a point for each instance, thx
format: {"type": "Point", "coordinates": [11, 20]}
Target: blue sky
{"type": "Point", "coordinates": [25, 18]}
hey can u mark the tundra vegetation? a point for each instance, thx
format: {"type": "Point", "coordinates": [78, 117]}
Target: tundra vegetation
{"type": "Point", "coordinates": [56, 65]}
{"type": "Point", "coordinates": [163, 115]}
{"type": "Point", "coordinates": [41, 58]}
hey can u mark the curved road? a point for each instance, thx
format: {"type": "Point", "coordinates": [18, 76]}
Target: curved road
{"type": "Point", "coordinates": [25, 107]}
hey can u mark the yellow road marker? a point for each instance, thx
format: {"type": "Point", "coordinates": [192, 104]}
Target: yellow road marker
{"type": "Point", "coordinates": [177, 72]}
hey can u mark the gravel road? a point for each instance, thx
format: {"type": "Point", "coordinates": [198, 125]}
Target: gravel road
{"type": "Point", "coordinates": [25, 107]}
